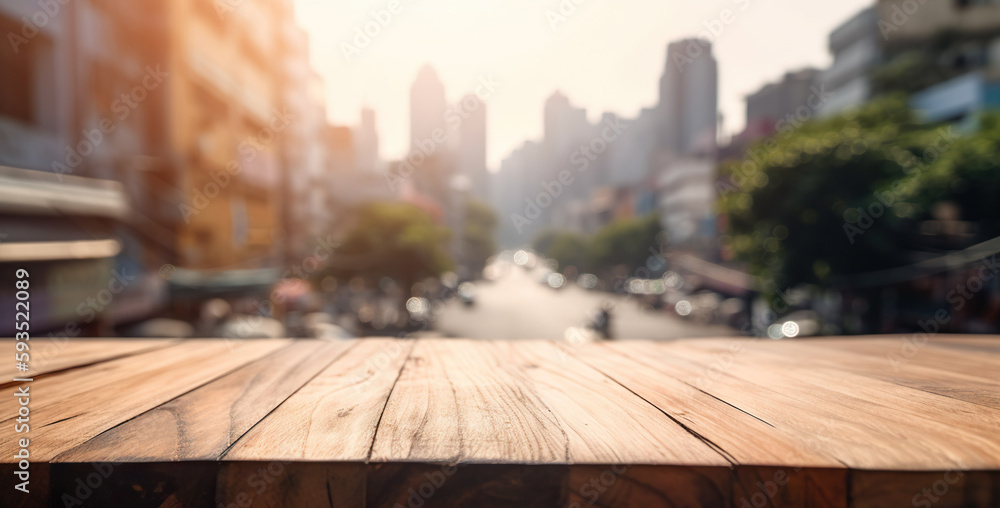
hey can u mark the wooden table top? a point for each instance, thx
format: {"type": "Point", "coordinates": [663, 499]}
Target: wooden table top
{"type": "Point", "coordinates": [868, 421]}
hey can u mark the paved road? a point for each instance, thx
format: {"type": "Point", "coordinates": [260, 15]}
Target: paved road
{"type": "Point", "coordinates": [516, 306]}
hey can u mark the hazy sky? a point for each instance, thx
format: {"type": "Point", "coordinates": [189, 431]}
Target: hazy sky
{"type": "Point", "coordinates": [606, 56]}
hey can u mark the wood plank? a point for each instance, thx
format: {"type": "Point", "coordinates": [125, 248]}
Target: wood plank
{"type": "Point", "coordinates": [604, 422]}
{"type": "Point", "coordinates": [71, 407]}
{"type": "Point", "coordinates": [77, 383]}
{"type": "Point", "coordinates": [335, 415]}
{"type": "Point", "coordinates": [469, 401]}
{"type": "Point", "coordinates": [744, 438]}
{"type": "Point", "coordinates": [807, 420]}
{"type": "Point", "coordinates": [202, 424]}
{"type": "Point", "coordinates": [934, 354]}
{"type": "Point", "coordinates": [867, 378]}
{"type": "Point", "coordinates": [961, 386]}
{"type": "Point", "coordinates": [869, 424]}
{"type": "Point", "coordinates": [457, 400]}
{"type": "Point", "coordinates": [50, 354]}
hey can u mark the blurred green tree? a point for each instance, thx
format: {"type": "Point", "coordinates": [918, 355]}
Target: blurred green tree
{"type": "Point", "coordinates": [393, 240]}
{"type": "Point", "coordinates": [842, 196]}
{"type": "Point", "coordinates": [967, 175]}
{"type": "Point", "coordinates": [569, 249]}
{"type": "Point", "coordinates": [625, 242]}
{"type": "Point", "coordinates": [543, 240]}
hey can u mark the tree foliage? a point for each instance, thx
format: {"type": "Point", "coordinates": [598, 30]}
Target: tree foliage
{"type": "Point", "coordinates": [569, 249]}
{"type": "Point", "coordinates": [625, 242]}
{"type": "Point", "coordinates": [846, 195]}
{"type": "Point", "coordinates": [393, 240]}
{"type": "Point", "coordinates": [620, 242]}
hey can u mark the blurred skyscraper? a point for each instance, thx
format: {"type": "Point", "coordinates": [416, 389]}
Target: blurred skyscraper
{"type": "Point", "coordinates": [471, 157]}
{"type": "Point", "coordinates": [366, 141]}
{"type": "Point", "coordinates": [689, 91]}
{"type": "Point", "coordinates": [427, 107]}
{"type": "Point", "coordinates": [686, 153]}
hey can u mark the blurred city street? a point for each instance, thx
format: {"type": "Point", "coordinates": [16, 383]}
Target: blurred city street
{"type": "Point", "coordinates": [517, 306]}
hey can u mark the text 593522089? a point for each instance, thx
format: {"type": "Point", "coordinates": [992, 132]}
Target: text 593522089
{"type": "Point", "coordinates": [22, 357]}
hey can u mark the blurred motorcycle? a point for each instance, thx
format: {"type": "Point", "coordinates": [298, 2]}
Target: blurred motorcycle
{"type": "Point", "coordinates": [600, 320]}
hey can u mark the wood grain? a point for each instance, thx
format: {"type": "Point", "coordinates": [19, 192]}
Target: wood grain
{"type": "Point", "coordinates": [441, 422]}
{"type": "Point", "coordinates": [865, 423]}
{"type": "Point", "coordinates": [604, 422]}
{"type": "Point", "coordinates": [202, 424]}
{"type": "Point", "coordinates": [71, 407]}
{"type": "Point", "coordinates": [335, 416]}
{"type": "Point", "coordinates": [49, 355]}
{"type": "Point", "coordinates": [957, 385]}
{"type": "Point", "coordinates": [664, 385]}
{"type": "Point", "coordinates": [459, 400]}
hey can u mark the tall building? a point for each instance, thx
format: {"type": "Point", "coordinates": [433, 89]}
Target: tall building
{"type": "Point", "coordinates": [857, 48]}
{"type": "Point", "coordinates": [366, 141]}
{"type": "Point", "coordinates": [75, 116]}
{"type": "Point", "coordinates": [958, 75]}
{"type": "Point", "coordinates": [686, 154]}
{"type": "Point", "coordinates": [430, 161]}
{"type": "Point", "coordinates": [303, 148]}
{"type": "Point", "coordinates": [631, 154]}
{"type": "Point", "coordinates": [901, 25]}
{"type": "Point", "coordinates": [227, 119]}
{"type": "Point", "coordinates": [203, 115]}
{"type": "Point", "coordinates": [774, 102]}
{"type": "Point", "coordinates": [471, 157]}
{"type": "Point", "coordinates": [689, 92]}
{"type": "Point", "coordinates": [564, 124]}
{"type": "Point", "coordinates": [427, 107]}
{"type": "Point", "coordinates": [514, 193]}
{"type": "Point", "coordinates": [566, 130]}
